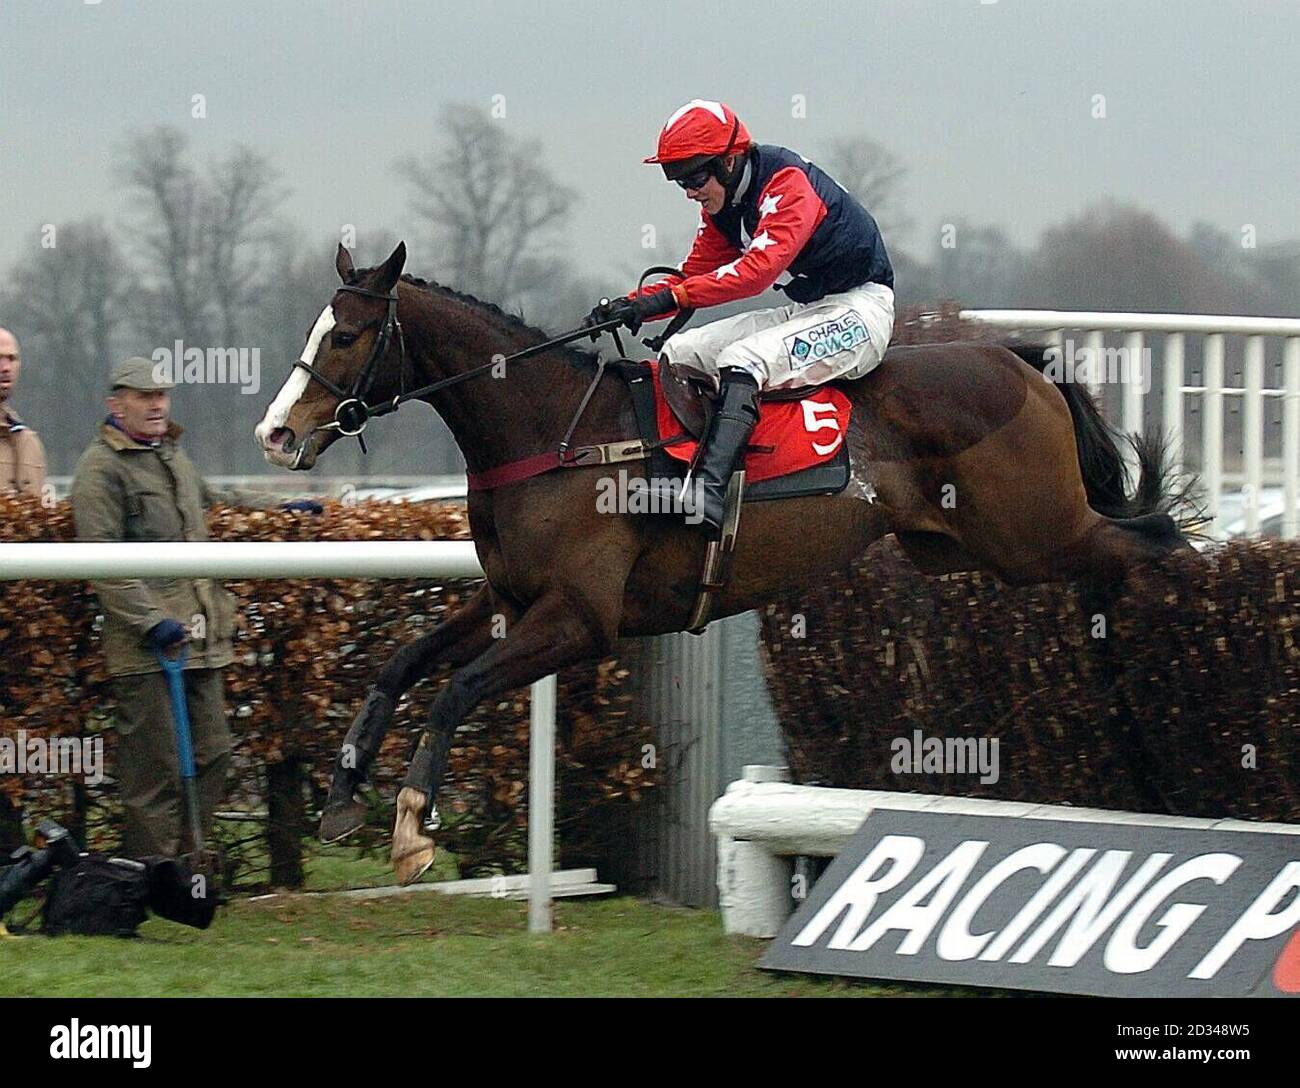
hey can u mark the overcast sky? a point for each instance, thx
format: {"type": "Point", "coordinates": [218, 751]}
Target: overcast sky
{"type": "Point", "coordinates": [988, 105]}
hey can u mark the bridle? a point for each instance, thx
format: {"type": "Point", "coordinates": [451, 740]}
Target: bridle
{"type": "Point", "coordinates": [353, 412]}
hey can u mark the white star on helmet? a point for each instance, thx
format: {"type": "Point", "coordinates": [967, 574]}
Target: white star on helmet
{"type": "Point", "coordinates": [714, 108]}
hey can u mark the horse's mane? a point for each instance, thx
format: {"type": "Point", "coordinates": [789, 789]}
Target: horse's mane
{"type": "Point", "coordinates": [501, 317]}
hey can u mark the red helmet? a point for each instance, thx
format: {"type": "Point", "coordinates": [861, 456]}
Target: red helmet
{"type": "Point", "coordinates": [700, 129]}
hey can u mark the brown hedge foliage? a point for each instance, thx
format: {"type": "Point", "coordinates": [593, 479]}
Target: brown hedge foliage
{"type": "Point", "coordinates": [305, 650]}
{"type": "Point", "coordinates": [1200, 667]}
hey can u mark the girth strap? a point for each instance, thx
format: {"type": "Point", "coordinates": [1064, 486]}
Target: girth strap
{"type": "Point", "coordinates": [607, 453]}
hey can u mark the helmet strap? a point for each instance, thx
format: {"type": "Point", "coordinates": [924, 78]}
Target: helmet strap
{"type": "Point", "coordinates": [736, 180]}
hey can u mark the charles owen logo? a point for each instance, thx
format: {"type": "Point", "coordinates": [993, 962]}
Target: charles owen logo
{"type": "Point", "coordinates": [827, 339]}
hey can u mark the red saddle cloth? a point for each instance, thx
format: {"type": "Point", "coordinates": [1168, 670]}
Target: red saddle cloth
{"type": "Point", "coordinates": [792, 434]}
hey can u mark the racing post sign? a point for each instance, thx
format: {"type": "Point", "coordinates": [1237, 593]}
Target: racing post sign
{"type": "Point", "coordinates": [1082, 908]}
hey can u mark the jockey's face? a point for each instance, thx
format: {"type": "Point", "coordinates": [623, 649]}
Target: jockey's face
{"type": "Point", "coordinates": [711, 195]}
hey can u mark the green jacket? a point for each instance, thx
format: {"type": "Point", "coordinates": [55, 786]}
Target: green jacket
{"type": "Point", "coordinates": [123, 490]}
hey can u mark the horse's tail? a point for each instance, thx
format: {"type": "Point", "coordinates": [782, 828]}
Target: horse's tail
{"type": "Point", "coordinates": [1163, 499]}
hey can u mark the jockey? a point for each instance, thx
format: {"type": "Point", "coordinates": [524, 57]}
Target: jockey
{"type": "Point", "coordinates": [764, 211]}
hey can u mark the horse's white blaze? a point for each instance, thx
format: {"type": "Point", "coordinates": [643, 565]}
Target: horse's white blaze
{"type": "Point", "coordinates": [295, 384]}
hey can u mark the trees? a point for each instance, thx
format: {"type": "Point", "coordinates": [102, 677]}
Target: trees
{"type": "Point", "coordinates": [203, 244]}
{"type": "Point", "coordinates": [202, 241]}
{"type": "Point", "coordinates": [1119, 257]}
{"type": "Point", "coordinates": [976, 265]}
{"type": "Point", "coordinates": [874, 175]}
{"type": "Point", "coordinates": [68, 303]}
{"type": "Point", "coordinates": [493, 211]}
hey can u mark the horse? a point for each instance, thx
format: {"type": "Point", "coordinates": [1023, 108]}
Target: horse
{"type": "Point", "coordinates": [972, 454]}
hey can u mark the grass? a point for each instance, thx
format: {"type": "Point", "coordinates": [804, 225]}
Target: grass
{"type": "Point", "coordinates": [418, 945]}
{"type": "Point", "coordinates": [421, 945]}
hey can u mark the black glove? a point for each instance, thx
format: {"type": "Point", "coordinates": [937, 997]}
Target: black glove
{"type": "Point", "coordinates": [631, 311]}
{"type": "Point", "coordinates": [167, 633]}
{"type": "Point", "coordinates": [302, 506]}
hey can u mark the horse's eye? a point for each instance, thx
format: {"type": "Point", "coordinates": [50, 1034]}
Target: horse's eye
{"type": "Point", "coordinates": [344, 339]}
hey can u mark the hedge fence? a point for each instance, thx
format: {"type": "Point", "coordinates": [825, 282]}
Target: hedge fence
{"type": "Point", "coordinates": [305, 650]}
{"type": "Point", "coordinates": [1189, 704]}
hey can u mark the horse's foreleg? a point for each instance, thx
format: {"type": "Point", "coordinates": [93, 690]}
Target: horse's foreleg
{"type": "Point", "coordinates": [465, 635]}
{"type": "Point", "coordinates": [554, 632]}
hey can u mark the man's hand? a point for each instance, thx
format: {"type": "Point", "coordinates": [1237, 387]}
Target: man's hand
{"type": "Point", "coordinates": [168, 636]}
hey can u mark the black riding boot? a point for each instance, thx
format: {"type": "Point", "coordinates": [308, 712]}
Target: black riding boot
{"type": "Point", "coordinates": [734, 420]}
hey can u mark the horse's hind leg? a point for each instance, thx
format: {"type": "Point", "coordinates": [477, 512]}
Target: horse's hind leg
{"type": "Point", "coordinates": [465, 635]}
{"type": "Point", "coordinates": [556, 631]}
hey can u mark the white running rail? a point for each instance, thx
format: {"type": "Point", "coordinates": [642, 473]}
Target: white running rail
{"type": "Point", "coordinates": [318, 559]}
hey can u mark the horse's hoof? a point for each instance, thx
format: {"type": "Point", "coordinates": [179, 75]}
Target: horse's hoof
{"type": "Point", "coordinates": [412, 851]}
{"type": "Point", "coordinates": [339, 821]}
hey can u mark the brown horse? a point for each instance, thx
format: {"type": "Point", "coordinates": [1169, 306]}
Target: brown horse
{"type": "Point", "coordinates": [964, 451]}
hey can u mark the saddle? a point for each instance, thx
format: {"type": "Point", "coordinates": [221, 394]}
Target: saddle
{"type": "Point", "coordinates": [673, 410]}
{"type": "Point", "coordinates": [691, 399]}
{"type": "Point", "coordinates": [790, 464]}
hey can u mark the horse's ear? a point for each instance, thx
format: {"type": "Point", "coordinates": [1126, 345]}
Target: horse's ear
{"type": "Point", "coordinates": [387, 274]}
{"type": "Point", "coordinates": [343, 264]}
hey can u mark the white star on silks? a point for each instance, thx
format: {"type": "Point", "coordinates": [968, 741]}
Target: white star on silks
{"type": "Point", "coordinates": [769, 204]}
{"type": "Point", "coordinates": [728, 269]}
{"type": "Point", "coordinates": [761, 241]}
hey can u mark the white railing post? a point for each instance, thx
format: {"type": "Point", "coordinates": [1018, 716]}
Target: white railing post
{"type": "Point", "coordinates": [1097, 349]}
{"type": "Point", "coordinates": [1212, 426]}
{"type": "Point", "coordinates": [1252, 437]}
{"type": "Point", "coordinates": [1131, 381]}
{"type": "Point", "coordinates": [1291, 439]}
{"type": "Point", "coordinates": [1056, 339]}
{"type": "Point", "coordinates": [1172, 406]}
{"type": "Point", "coordinates": [541, 803]}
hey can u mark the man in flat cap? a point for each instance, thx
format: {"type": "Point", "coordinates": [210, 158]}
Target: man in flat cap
{"type": "Point", "coordinates": [135, 483]}
{"type": "Point", "coordinates": [22, 457]}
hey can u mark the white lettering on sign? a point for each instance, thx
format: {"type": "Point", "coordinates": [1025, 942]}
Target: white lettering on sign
{"type": "Point", "coordinates": [1123, 956]}
{"type": "Point", "coordinates": [1257, 923]}
{"type": "Point", "coordinates": [940, 886]}
{"type": "Point", "coordinates": [862, 888]}
{"type": "Point", "coordinates": [956, 941]}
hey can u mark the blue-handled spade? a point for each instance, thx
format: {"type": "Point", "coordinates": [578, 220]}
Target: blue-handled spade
{"type": "Point", "coordinates": [174, 668]}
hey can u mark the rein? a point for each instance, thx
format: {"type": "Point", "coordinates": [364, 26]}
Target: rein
{"type": "Point", "coordinates": [354, 412]}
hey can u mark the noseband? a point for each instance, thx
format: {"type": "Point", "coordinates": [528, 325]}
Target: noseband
{"type": "Point", "coordinates": [353, 412]}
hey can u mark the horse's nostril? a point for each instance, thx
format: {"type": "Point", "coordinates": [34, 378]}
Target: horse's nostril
{"type": "Point", "coordinates": [282, 439]}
